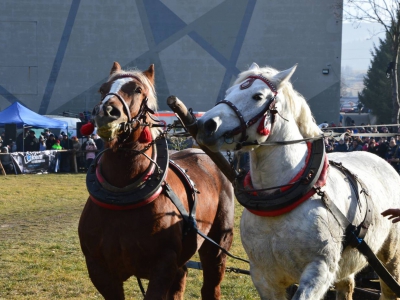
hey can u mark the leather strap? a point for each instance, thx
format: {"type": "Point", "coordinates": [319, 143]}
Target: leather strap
{"type": "Point", "coordinates": [355, 240]}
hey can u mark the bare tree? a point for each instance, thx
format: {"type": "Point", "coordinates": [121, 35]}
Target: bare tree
{"type": "Point", "coordinates": [387, 14]}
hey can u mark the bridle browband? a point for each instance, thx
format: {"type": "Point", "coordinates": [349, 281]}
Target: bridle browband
{"type": "Point", "coordinates": [269, 107]}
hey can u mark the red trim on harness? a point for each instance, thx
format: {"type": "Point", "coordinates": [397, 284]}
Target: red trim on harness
{"type": "Point", "coordinates": [320, 182]}
{"type": "Point", "coordinates": [125, 207]}
{"type": "Point", "coordinates": [284, 210]}
{"type": "Point", "coordinates": [101, 179]}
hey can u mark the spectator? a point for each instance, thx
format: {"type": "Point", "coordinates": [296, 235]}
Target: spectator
{"type": "Point", "coordinates": [329, 147]}
{"type": "Point", "coordinates": [91, 152]}
{"type": "Point", "coordinates": [55, 165]}
{"type": "Point", "coordinates": [20, 140]}
{"type": "Point", "coordinates": [373, 146]}
{"type": "Point", "coordinates": [65, 157]}
{"type": "Point", "coordinates": [51, 141]}
{"type": "Point", "coordinates": [46, 133]}
{"type": "Point", "coordinates": [12, 146]}
{"type": "Point", "coordinates": [31, 142]}
{"type": "Point", "coordinates": [343, 146]}
{"type": "Point", "coordinates": [76, 145]}
{"type": "Point", "coordinates": [6, 161]}
{"type": "Point", "coordinates": [393, 214]}
{"type": "Point", "coordinates": [356, 145]}
{"type": "Point", "coordinates": [393, 154]}
{"type": "Point", "coordinates": [42, 143]}
{"type": "Point", "coordinates": [98, 141]}
{"type": "Point", "coordinates": [56, 145]}
{"type": "Point", "coordinates": [383, 147]}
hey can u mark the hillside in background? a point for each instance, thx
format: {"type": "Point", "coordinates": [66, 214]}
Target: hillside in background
{"type": "Point", "coordinates": [352, 82]}
{"type": "Point", "coordinates": [357, 43]}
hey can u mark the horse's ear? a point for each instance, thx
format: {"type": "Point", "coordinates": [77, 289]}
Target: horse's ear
{"type": "Point", "coordinates": [254, 67]}
{"type": "Point", "coordinates": [115, 68]}
{"type": "Point", "coordinates": [284, 76]}
{"type": "Point", "coordinates": [150, 73]}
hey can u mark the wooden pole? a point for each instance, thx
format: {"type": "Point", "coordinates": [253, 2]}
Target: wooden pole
{"type": "Point", "coordinates": [190, 122]}
{"type": "Point", "coordinates": [3, 172]}
{"type": "Point", "coordinates": [74, 161]}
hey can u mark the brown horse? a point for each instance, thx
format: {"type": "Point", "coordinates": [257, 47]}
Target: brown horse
{"type": "Point", "coordinates": [130, 226]}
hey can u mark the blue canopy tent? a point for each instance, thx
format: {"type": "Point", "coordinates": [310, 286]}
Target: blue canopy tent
{"type": "Point", "coordinates": [23, 117]}
{"type": "Point", "coordinates": [18, 114]}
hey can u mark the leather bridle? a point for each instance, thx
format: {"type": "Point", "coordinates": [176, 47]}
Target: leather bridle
{"type": "Point", "coordinates": [133, 123]}
{"type": "Point", "coordinates": [269, 107]}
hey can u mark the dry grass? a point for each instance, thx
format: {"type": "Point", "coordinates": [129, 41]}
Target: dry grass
{"type": "Point", "coordinates": [40, 256]}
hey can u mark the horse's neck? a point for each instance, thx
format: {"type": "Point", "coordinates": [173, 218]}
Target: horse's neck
{"type": "Point", "coordinates": [123, 167]}
{"type": "Point", "coordinates": [277, 165]}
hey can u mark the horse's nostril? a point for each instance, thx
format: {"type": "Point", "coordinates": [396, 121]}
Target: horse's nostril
{"type": "Point", "coordinates": [210, 126]}
{"type": "Point", "coordinates": [111, 111]}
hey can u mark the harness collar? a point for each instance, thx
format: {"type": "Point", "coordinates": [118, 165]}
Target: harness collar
{"type": "Point", "coordinates": [303, 186]}
{"type": "Point", "coordinates": [145, 190]}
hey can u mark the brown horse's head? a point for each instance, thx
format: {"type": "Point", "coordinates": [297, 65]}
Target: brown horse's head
{"type": "Point", "coordinates": [126, 100]}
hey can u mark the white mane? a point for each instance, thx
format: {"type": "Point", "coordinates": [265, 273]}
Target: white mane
{"type": "Point", "coordinates": [295, 101]}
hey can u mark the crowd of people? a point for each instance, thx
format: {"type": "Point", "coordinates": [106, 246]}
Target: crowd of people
{"type": "Point", "coordinates": [369, 138]}
{"type": "Point", "coordinates": [85, 148]}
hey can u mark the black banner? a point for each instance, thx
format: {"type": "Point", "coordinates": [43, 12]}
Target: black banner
{"type": "Point", "coordinates": [35, 162]}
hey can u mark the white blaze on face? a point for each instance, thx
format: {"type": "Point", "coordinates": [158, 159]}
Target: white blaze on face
{"type": "Point", "coordinates": [115, 87]}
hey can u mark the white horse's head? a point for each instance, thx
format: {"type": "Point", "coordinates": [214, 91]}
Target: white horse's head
{"type": "Point", "coordinates": [260, 105]}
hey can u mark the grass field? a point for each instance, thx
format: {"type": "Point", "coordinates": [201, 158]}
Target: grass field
{"type": "Point", "coordinates": [40, 256]}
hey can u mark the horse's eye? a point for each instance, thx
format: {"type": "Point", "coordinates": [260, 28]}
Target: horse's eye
{"type": "Point", "coordinates": [257, 97]}
{"type": "Point", "coordinates": [138, 90]}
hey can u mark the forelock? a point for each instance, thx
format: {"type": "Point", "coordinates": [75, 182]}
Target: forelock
{"type": "Point", "coordinates": [151, 91]}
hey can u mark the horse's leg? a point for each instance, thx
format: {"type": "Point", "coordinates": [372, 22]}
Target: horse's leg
{"type": "Point", "coordinates": [108, 286]}
{"type": "Point", "coordinates": [390, 257]}
{"type": "Point", "coordinates": [345, 288]}
{"type": "Point", "coordinates": [315, 280]}
{"type": "Point", "coordinates": [163, 277]}
{"type": "Point", "coordinates": [267, 290]}
{"type": "Point", "coordinates": [213, 264]}
{"type": "Point", "coordinates": [177, 289]}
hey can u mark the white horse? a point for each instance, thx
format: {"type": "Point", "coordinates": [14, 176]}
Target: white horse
{"type": "Point", "coordinates": [300, 244]}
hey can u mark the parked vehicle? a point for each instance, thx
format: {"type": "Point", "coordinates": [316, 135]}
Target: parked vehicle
{"type": "Point", "coordinates": [347, 108]}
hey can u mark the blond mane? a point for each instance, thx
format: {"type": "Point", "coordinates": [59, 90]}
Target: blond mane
{"type": "Point", "coordinates": [151, 94]}
{"type": "Point", "coordinates": [295, 101]}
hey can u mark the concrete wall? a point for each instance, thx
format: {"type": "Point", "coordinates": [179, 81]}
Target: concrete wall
{"type": "Point", "coordinates": [55, 54]}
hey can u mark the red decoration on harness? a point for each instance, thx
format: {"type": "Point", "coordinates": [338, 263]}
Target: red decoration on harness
{"type": "Point", "coordinates": [87, 129]}
{"type": "Point", "coordinates": [145, 136]}
{"type": "Point", "coordinates": [320, 182]}
{"type": "Point", "coordinates": [262, 129]}
{"type": "Point", "coordinates": [125, 207]}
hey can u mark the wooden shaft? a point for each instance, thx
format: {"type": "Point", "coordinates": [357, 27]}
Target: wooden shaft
{"type": "Point", "coordinates": [190, 123]}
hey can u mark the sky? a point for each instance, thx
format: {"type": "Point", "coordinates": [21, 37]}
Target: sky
{"type": "Point", "coordinates": [357, 44]}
